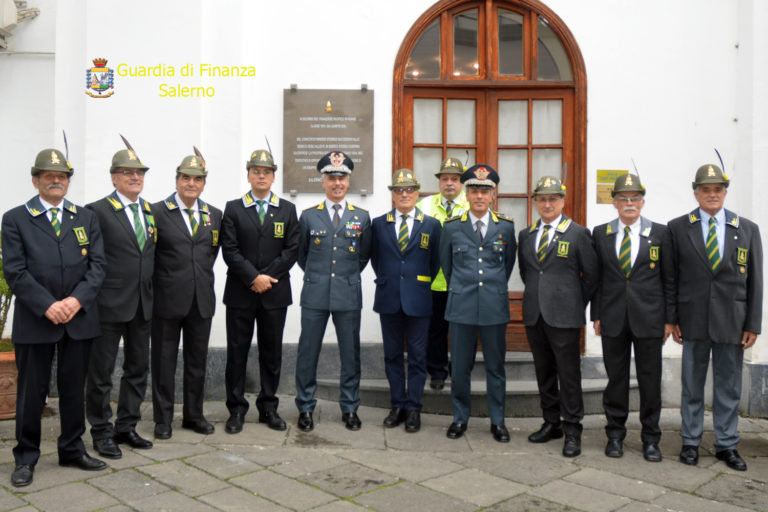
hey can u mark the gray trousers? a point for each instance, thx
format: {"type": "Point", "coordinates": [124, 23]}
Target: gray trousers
{"type": "Point", "coordinates": [726, 392]}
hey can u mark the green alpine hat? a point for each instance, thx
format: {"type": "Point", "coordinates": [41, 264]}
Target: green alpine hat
{"type": "Point", "coordinates": [51, 160]}
{"type": "Point", "coordinates": [126, 159]}
{"type": "Point", "coordinates": [627, 183]}
{"type": "Point", "coordinates": [450, 166]}
{"type": "Point", "coordinates": [404, 178]}
{"type": "Point", "coordinates": [261, 158]}
{"type": "Point", "coordinates": [548, 185]}
{"type": "Point", "coordinates": [192, 165]}
{"type": "Point", "coordinates": [710, 173]}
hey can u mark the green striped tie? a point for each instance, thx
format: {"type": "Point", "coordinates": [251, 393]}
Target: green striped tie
{"type": "Point", "coordinates": [402, 235]}
{"type": "Point", "coordinates": [192, 221]}
{"type": "Point", "coordinates": [141, 237]}
{"type": "Point", "coordinates": [713, 250]}
{"type": "Point", "coordinates": [625, 253]}
{"type": "Point", "coordinates": [262, 210]}
{"type": "Point", "coordinates": [55, 221]}
{"type": "Point", "coordinates": [541, 251]}
{"type": "Point", "coordinates": [449, 208]}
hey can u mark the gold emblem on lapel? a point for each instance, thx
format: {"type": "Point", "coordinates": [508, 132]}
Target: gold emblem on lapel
{"type": "Point", "coordinates": [279, 229]}
{"type": "Point", "coordinates": [742, 269]}
{"type": "Point", "coordinates": [84, 251]}
{"type": "Point", "coordinates": [562, 249]}
{"type": "Point", "coordinates": [424, 242]}
{"type": "Point", "coordinates": [654, 254]}
{"type": "Point", "coordinates": [317, 241]}
{"type": "Point", "coordinates": [653, 265]}
{"type": "Point", "coordinates": [741, 256]}
{"type": "Point", "coordinates": [215, 237]}
{"type": "Point", "coordinates": [82, 238]}
{"type": "Point", "coordinates": [352, 248]}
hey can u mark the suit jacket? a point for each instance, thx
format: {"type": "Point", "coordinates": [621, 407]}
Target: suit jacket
{"type": "Point", "coordinates": [129, 269]}
{"type": "Point", "coordinates": [184, 265]}
{"type": "Point", "coordinates": [41, 268]}
{"type": "Point", "coordinates": [332, 259]}
{"type": "Point", "coordinates": [718, 306]}
{"type": "Point", "coordinates": [477, 273]}
{"type": "Point", "coordinates": [403, 279]}
{"type": "Point", "coordinates": [560, 287]}
{"type": "Point", "coordinates": [251, 249]}
{"type": "Point", "coordinates": [647, 296]}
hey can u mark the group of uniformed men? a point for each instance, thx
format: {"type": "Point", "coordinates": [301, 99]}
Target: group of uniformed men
{"type": "Point", "coordinates": [121, 268]}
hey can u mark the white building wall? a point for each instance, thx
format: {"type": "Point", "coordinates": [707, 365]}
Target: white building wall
{"type": "Point", "coordinates": [666, 84]}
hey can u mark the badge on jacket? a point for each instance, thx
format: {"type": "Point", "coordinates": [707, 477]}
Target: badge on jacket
{"type": "Point", "coordinates": [279, 230]}
{"type": "Point", "coordinates": [424, 242]}
{"type": "Point", "coordinates": [82, 238]}
{"type": "Point", "coordinates": [215, 237]}
{"type": "Point", "coordinates": [562, 249]}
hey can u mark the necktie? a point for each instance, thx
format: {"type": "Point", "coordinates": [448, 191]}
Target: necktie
{"type": "Point", "coordinates": [55, 221]}
{"type": "Point", "coordinates": [541, 250]}
{"type": "Point", "coordinates": [625, 252]}
{"type": "Point", "coordinates": [336, 217]}
{"type": "Point", "coordinates": [713, 250]}
{"type": "Point", "coordinates": [402, 234]}
{"type": "Point", "coordinates": [479, 230]}
{"type": "Point", "coordinates": [192, 221]}
{"type": "Point", "coordinates": [448, 208]}
{"type": "Point", "coordinates": [262, 210]}
{"type": "Point", "coordinates": [141, 237]}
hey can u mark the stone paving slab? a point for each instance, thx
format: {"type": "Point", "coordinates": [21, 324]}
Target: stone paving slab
{"type": "Point", "coordinates": [169, 501]}
{"type": "Point", "coordinates": [76, 497]}
{"type": "Point", "coordinates": [187, 479]}
{"type": "Point", "coordinates": [737, 490]}
{"type": "Point", "coordinates": [168, 451]}
{"type": "Point", "coordinates": [525, 469]}
{"type": "Point", "coordinates": [414, 467]}
{"type": "Point", "coordinates": [8, 501]}
{"type": "Point", "coordinates": [349, 479]}
{"type": "Point", "coordinates": [684, 502]}
{"type": "Point", "coordinates": [222, 464]}
{"type": "Point", "coordinates": [616, 484]}
{"type": "Point", "coordinates": [637, 506]}
{"type": "Point", "coordinates": [528, 503]}
{"type": "Point", "coordinates": [280, 489]}
{"type": "Point", "coordinates": [310, 462]}
{"type": "Point", "coordinates": [475, 486]}
{"type": "Point", "coordinates": [128, 485]}
{"type": "Point", "coordinates": [235, 500]}
{"type": "Point", "coordinates": [405, 495]}
{"type": "Point", "coordinates": [340, 506]}
{"type": "Point", "coordinates": [48, 473]}
{"type": "Point", "coordinates": [580, 497]}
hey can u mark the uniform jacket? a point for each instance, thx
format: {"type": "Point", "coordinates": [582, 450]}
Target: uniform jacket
{"type": "Point", "coordinates": [560, 287]}
{"type": "Point", "coordinates": [42, 268]}
{"type": "Point", "coordinates": [403, 279]}
{"type": "Point", "coordinates": [250, 249]}
{"type": "Point", "coordinates": [647, 296]}
{"type": "Point", "coordinates": [477, 273]}
{"type": "Point", "coordinates": [333, 259]}
{"type": "Point", "coordinates": [433, 206]}
{"type": "Point", "coordinates": [129, 269]}
{"type": "Point", "coordinates": [184, 265]}
{"type": "Point", "coordinates": [718, 306]}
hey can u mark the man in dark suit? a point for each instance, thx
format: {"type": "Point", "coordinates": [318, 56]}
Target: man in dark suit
{"type": "Point", "coordinates": [477, 254]}
{"type": "Point", "coordinates": [260, 243]}
{"type": "Point", "coordinates": [53, 260]}
{"type": "Point", "coordinates": [187, 246]}
{"type": "Point", "coordinates": [633, 307]}
{"type": "Point", "coordinates": [334, 248]}
{"type": "Point", "coordinates": [125, 308]}
{"type": "Point", "coordinates": [559, 267]}
{"type": "Point", "coordinates": [719, 275]}
{"type": "Point", "coordinates": [405, 257]}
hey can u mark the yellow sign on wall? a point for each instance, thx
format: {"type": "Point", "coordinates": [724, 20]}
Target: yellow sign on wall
{"type": "Point", "coordinates": [605, 180]}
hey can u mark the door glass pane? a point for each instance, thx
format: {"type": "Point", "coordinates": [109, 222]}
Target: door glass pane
{"type": "Point", "coordinates": [513, 171]}
{"type": "Point", "coordinates": [465, 44]}
{"type": "Point", "coordinates": [427, 121]}
{"type": "Point", "coordinates": [513, 122]}
{"type": "Point", "coordinates": [547, 162]}
{"type": "Point", "coordinates": [461, 122]}
{"type": "Point", "coordinates": [517, 209]}
{"type": "Point", "coordinates": [426, 162]}
{"type": "Point", "coordinates": [424, 61]}
{"type": "Point", "coordinates": [510, 43]}
{"type": "Point", "coordinates": [547, 121]}
{"type": "Point", "coordinates": [461, 154]}
{"type": "Point", "coordinates": [553, 61]}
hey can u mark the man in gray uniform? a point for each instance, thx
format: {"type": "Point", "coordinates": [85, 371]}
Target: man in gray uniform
{"type": "Point", "coordinates": [334, 247]}
{"type": "Point", "coordinates": [719, 271]}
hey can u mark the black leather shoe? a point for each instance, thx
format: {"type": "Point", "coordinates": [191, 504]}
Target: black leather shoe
{"type": "Point", "coordinates": [689, 455]}
{"type": "Point", "coordinates": [456, 430]}
{"type": "Point", "coordinates": [395, 417]}
{"type": "Point", "coordinates": [22, 475]}
{"type": "Point", "coordinates": [234, 423]}
{"type": "Point", "coordinates": [500, 433]}
{"type": "Point", "coordinates": [572, 446]}
{"type": "Point", "coordinates": [732, 459]}
{"type": "Point", "coordinates": [200, 426]}
{"type": "Point", "coordinates": [351, 421]}
{"type": "Point", "coordinates": [614, 448]}
{"type": "Point", "coordinates": [163, 431]}
{"type": "Point", "coordinates": [437, 384]}
{"type": "Point", "coordinates": [132, 439]}
{"type": "Point", "coordinates": [305, 422]}
{"type": "Point", "coordinates": [107, 448]}
{"type": "Point", "coordinates": [651, 452]}
{"type": "Point", "coordinates": [546, 432]}
{"type": "Point", "coordinates": [412, 421]}
{"type": "Point", "coordinates": [273, 420]}
{"type": "Point", "coordinates": [84, 462]}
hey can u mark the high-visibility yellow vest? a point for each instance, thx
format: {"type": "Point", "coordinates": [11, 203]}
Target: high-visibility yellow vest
{"type": "Point", "coordinates": [433, 206]}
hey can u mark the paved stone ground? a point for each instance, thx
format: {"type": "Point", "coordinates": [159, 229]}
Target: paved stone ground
{"type": "Point", "coordinates": [332, 469]}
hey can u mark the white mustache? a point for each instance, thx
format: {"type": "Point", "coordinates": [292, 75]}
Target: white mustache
{"type": "Point", "coordinates": [628, 209]}
{"type": "Point", "coordinates": [55, 185]}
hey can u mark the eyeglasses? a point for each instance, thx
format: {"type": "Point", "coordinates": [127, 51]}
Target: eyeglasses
{"type": "Point", "coordinates": [131, 172]}
{"type": "Point", "coordinates": [548, 199]}
{"type": "Point", "coordinates": [633, 199]}
{"type": "Point", "coordinates": [404, 190]}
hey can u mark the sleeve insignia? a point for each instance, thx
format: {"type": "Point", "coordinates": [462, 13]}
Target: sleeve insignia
{"type": "Point", "coordinates": [82, 237]}
{"type": "Point", "coordinates": [424, 241]}
{"type": "Point", "coordinates": [741, 255]}
{"type": "Point", "coordinates": [562, 249]}
{"type": "Point", "coordinates": [279, 230]}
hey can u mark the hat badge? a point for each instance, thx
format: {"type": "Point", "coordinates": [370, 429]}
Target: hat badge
{"type": "Point", "coordinates": [131, 155]}
{"type": "Point", "coordinates": [400, 179]}
{"type": "Point", "coordinates": [547, 183]}
{"type": "Point", "coordinates": [481, 173]}
{"type": "Point", "coordinates": [264, 155]}
{"type": "Point", "coordinates": [337, 159]}
{"type": "Point", "coordinates": [710, 171]}
{"type": "Point", "coordinates": [193, 162]}
{"type": "Point", "coordinates": [55, 158]}
{"type": "Point", "coordinates": [629, 180]}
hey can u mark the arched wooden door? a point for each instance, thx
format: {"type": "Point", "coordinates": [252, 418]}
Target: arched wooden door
{"type": "Point", "coordinates": [500, 82]}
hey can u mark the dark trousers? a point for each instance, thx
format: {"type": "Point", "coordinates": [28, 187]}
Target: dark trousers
{"type": "Point", "coordinates": [269, 338]}
{"type": "Point", "coordinates": [166, 334]}
{"type": "Point", "coordinates": [313, 323]}
{"type": "Point", "coordinates": [463, 352]}
{"type": "Point", "coordinates": [33, 362]}
{"type": "Point", "coordinates": [413, 329]}
{"type": "Point", "coordinates": [437, 346]}
{"type": "Point", "coordinates": [557, 361]}
{"type": "Point", "coordinates": [133, 384]}
{"type": "Point", "coordinates": [617, 353]}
